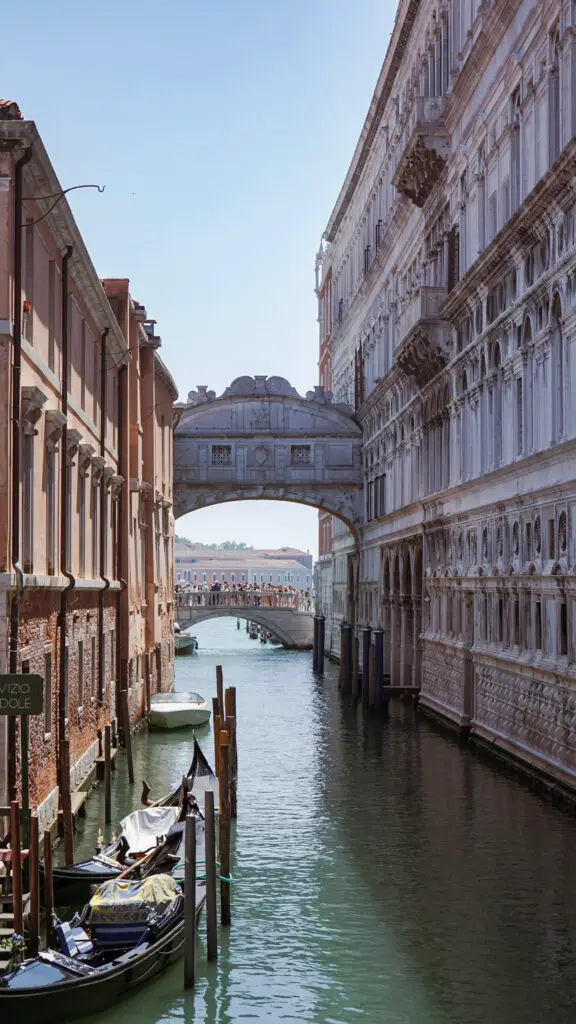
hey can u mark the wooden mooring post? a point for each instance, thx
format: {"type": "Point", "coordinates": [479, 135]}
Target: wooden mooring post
{"type": "Point", "coordinates": [210, 854]}
{"type": "Point", "coordinates": [66, 802]}
{"type": "Point", "coordinates": [355, 670]}
{"type": "Point", "coordinates": [16, 867]}
{"type": "Point", "coordinates": [125, 712]}
{"type": "Point", "coordinates": [315, 644]}
{"type": "Point", "coordinates": [190, 902]}
{"type": "Point", "coordinates": [224, 830]}
{"type": "Point", "coordinates": [220, 689]}
{"type": "Point", "coordinates": [107, 774]}
{"type": "Point", "coordinates": [34, 863]}
{"type": "Point", "coordinates": [217, 726]}
{"type": "Point", "coordinates": [320, 644]}
{"type": "Point", "coordinates": [365, 634]}
{"type": "Point", "coordinates": [345, 658]}
{"type": "Point", "coordinates": [48, 885]}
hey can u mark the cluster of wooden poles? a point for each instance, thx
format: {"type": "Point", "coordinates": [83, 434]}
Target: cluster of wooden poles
{"type": "Point", "coordinates": [23, 873]}
{"type": "Point", "coordinates": [226, 768]}
{"type": "Point", "coordinates": [361, 675]}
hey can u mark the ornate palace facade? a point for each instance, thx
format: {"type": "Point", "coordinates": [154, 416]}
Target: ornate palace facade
{"type": "Point", "coordinates": [447, 299]}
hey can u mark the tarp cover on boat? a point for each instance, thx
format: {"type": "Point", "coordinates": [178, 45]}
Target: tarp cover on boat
{"type": "Point", "coordinates": [119, 901]}
{"type": "Point", "coordinates": [143, 828]}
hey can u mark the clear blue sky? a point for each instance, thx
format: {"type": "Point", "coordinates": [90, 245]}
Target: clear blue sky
{"type": "Point", "coordinates": [222, 131]}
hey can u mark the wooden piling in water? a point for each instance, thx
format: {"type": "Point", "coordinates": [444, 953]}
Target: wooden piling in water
{"type": "Point", "coordinates": [210, 854]}
{"type": "Point", "coordinates": [321, 642]}
{"type": "Point", "coordinates": [379, 668]}
{"type": "Point", "coordinates": [224, 831]}
{"type": "Point", "coordinates": [372, 677]}
{"type": "Point", "coordinates": [315, 645]}
{"type": "Point", "coordinates": [355, 671]}
{"type": "Point", "coordinates": [231, 730]}
{"type": "Point", "coordinates": [107, 774]}
{"type": "Point", "coordinates": [66, 803]}
{"type": "Point", "coordinates": [48, 884]}
{"type": "Point", "coordinates": [125, 711]}
{"type": "Point", "coordinates": [346, 658]}
{"type": "Point", "coordinates": [16, 867]}
{"type": "Point", "coordinates": [365, 634]}
{"type": "Point", "coordinates": [190, 902]}
{"type": "Point", "coordinates": [33, 860]}
{"type": "Point", "coordinates": [220, 689]}
{"type": "Point", "coordinates": [217, 726]}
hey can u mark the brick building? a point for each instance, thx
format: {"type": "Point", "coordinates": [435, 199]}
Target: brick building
{"type": "Point", "coordinates": [75, 400]}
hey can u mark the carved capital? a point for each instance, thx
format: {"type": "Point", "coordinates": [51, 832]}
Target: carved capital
{"type": "Point", "coordinates": [53, 426]}
{"type": "Point", "coordinates": [85, 453]}
{"type": "Point", "coordinates": [73, 439]}
{"type": "Point", "coordinates": [33, 399]}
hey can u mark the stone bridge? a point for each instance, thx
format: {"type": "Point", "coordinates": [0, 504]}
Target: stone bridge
{"type": "Point", "coordinates": [262, 440]}
{"type": "Point", "coordinates": [287, 616]}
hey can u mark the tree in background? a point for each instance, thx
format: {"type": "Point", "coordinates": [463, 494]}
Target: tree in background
{"type": "Point", "coordinates": [227, 545]}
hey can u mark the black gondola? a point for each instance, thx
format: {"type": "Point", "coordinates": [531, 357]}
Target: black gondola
{"type": "Point", "coordinates": [92, 974]}
{"type": "Point", "coordinates": [114, 858]}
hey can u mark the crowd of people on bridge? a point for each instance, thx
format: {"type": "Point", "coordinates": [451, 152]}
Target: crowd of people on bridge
{"type": "Point", "coordinates": [257, 594]}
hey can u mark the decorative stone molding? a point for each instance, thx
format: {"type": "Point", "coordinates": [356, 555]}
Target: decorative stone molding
{"type": "Point", "coordinates": [53, 426]}
{"type": "Point", "coordinates": [108, 476]}
{"type": "Point", "coordinates": [98, 464]}
{"type": "Point", "coordinates": [116, 482]}
{"type": "Point", "coordinates": [33, 399]}
{"type": "Point", "coordinates": [85, 455]}
{"type": "Point", "coordinates": [73, 439]}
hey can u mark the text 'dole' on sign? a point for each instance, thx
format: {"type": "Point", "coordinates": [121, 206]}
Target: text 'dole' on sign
{"type": "Point", "coordinates": [21, 694]}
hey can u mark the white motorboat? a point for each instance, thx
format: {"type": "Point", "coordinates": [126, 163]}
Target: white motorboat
{"type": "Point", "coordinates": [176, 710]}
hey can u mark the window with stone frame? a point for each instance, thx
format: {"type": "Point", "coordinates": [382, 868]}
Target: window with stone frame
{"type": "Point", "coordinates": [300, 455]}
{"type": "Point", "coordinates": [221, 454]}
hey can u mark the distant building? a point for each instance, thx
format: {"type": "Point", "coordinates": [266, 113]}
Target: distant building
{"type": "Point", "coordinates": [198, 564]}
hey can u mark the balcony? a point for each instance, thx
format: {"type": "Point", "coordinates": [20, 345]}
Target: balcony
{"type": "Point", "coordinates": [423, 338]}
{"type": "Point", "coordinates": [424, 149]}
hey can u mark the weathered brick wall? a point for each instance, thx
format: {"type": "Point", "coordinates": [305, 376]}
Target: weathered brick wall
{"type": "Point", "coordinates": [39, 636]}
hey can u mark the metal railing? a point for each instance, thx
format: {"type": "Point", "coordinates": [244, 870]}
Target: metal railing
{"type": "Point", "coordinates": [243, 599]}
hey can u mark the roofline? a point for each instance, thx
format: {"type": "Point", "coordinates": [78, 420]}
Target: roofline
{"type": "Point", "coordinates": [40, 176]}
{"type": "Point", "coordinates": [405, 17]}
{"type": "Point", "coordinates": [165, 376]}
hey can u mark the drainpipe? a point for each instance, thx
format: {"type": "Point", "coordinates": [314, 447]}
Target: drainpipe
{"type": "Point", "coordinates": [16, 396]}
{"type": "Point", "coordinates": [106, 581]}
{"type": "Point", "coordinates": [120, 513]}
{"type": "Point", "coordinates": [63, 682]}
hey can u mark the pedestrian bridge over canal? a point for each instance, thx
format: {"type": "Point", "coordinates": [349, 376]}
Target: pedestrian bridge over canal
{"type": "Point", "coordinates": [261, 440]}
{"type": "Point", "coordinates": [286, 615]}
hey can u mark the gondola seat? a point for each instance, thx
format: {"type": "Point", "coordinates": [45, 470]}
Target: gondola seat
{"type": "Point", "coordinates": [124, 935]}
{"type": "Point", "coordinates": [73, 941]}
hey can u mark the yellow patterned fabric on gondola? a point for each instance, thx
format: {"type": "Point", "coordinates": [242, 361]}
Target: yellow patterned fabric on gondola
{"type": "Point", "coordinates": [119, 902]}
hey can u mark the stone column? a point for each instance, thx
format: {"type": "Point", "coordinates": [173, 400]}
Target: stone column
{"type": "Point", "coordinates": [386, 646]}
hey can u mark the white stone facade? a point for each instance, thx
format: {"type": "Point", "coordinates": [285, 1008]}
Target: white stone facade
{"type": "Point", "coordinates": [452, 314]}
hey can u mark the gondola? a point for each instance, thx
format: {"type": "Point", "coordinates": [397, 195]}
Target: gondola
{"type": "Point", "coordinates": [92, 969]}
{"type": "Point", "coordinates": [115, 858]}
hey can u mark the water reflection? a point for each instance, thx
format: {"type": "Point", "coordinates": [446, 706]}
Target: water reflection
{"type": "Point", "coordinates": [381, 872]}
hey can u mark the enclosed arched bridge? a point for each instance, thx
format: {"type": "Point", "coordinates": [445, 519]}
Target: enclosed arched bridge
{"type": "Point", "coordinates": [261, 440]}
{"type": "Point", "coordinates": [287, 616]}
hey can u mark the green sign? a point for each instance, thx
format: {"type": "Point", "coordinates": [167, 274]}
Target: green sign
{"type": "Point", "coordinates": [21, 694]}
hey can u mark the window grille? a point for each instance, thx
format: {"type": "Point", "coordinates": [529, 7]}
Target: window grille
{"type": "Point", "coordinates": [300, 455]}
{"type": "Point", "coordinates": [221, 454]}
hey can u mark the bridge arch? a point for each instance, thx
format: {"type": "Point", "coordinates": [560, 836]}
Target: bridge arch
{"type": "Point", "coordinates": [293, 628]}
{"type": "Point", "coordinates": [261, 440]}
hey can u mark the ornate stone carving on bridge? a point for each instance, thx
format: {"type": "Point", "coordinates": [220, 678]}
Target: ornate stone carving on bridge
{"type": "Point", "coordinates": [260, 439]}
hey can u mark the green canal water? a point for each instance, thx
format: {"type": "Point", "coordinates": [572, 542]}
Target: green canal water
{"type": "Point", "coordinates": [382, 873]}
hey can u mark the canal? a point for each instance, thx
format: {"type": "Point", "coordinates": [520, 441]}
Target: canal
{"type": "Point", "coordinates": [382, 873]}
